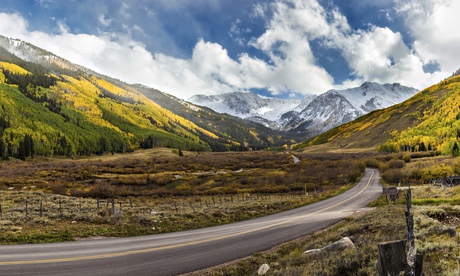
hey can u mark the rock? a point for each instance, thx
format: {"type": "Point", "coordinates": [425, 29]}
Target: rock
{"type": "Point", "coordinates": [263, 269]}
{"type": "Point", "coordinates": [340, 245]}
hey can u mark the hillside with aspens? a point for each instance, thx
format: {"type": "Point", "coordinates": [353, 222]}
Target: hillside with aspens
{"type": "Point", "coordinates": [53, 107]}
{"type": "Point", "coordinates": [429, 121]}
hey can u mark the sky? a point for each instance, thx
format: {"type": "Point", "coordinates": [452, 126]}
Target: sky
{"type": "Point", "coordinates": [277, 48]}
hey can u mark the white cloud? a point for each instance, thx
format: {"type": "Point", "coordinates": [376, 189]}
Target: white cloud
{"type": "Point", "coordinates": [434, 27]}
{"type": "Point", "coordinates": [375, 54]}
{"type": "Point", "coordinates": [105, 21]}
{"type": "Point", "coordinates": [13, 25]}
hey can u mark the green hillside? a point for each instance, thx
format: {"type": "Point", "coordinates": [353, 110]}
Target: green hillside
{"type": "Point", "coordinates": [53, 109]}
{"type": "Point", "coordinates": [427, 121]}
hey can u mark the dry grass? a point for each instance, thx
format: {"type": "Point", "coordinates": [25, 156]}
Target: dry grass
{"type": "Point", "coordinates": [156, 191]}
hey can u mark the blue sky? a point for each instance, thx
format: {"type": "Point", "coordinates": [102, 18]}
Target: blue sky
{"type": "Point", "coordinates": [281, 48]}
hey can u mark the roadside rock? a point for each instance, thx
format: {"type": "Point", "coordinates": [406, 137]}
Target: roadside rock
{"type": "Point", "coordinates": [340, 245]}
{"type": "Point", "coordinates": [263, 269]}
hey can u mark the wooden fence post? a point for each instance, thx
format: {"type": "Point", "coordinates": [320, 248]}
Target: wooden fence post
{"type": "Point", "coordinates": [60, 208]}
{"type": "Point", "coordinates": [392, 255]}
{"type": "Point", "coordinates": [41, 208]}
{"type": "Point", "coordinates": [192, 207]}
{"type": "Point", "coordinates": [392, 258]}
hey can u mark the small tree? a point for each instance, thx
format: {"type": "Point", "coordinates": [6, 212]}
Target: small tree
{"type": "Point", "coordinates": [455, 150]}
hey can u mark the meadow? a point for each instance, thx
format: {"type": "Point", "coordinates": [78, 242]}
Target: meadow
{"type": "Point", "coordinates": [436, 226]}
{"type": "Point", "coordinates": [158, 190]}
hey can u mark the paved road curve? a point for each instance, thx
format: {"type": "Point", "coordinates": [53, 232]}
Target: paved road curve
{"type": "Point", "coordinates": [181, 252]}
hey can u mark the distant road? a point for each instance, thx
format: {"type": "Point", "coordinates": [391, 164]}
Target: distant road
{"type": "Point", "coordinates": [182, 252]}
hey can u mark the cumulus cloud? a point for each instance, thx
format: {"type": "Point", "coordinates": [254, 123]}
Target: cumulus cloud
{"type": "Point", "coordinates": [287, 63]}
{"type": "Point", "coordinates": [433, 25]}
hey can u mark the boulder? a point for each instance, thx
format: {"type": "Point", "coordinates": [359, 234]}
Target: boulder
{"type": "Point", "coordinates": [263, 269]}
{"type": "Point", "coordinates": [340, 245]}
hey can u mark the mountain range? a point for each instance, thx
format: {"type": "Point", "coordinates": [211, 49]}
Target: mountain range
{"type": "Point", "coordinates": [428, 121]}
{"type": "Point", "coordinates": [50, 106]}
{"type": "Point", "coordinates": [314, 114]}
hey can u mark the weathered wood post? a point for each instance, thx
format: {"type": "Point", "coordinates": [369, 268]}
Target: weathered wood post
{"type": "Point", "coordinates": [414, 258]}
{"type": "Point", "coordinates": [392, 258]}
{"type": "Point", "coordinates": [113, 206]}
{"type": "Point", "coordinates": [190, 203]}
{"type": "Point", "coordinates": [41, 208]}
{"type": "Point", "coordinates": [1, 211]}
{"type": "Point", "coordinates": [27, 202]}
{"type": "Point", "coordinates": [175, 206]}
{"type": "Point", "coordinates": [60, 208]}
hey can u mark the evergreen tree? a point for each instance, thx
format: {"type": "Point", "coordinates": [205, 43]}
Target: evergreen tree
{"type": "Point", "coordinates": [3, 154]}
{"type": "Point", "coordinates": [455, 150]}
{"type": "Point", "coordinates": [422, 147]}
{"type": "Point", "coordinates": [22, 151]}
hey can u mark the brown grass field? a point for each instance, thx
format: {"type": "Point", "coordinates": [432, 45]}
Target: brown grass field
{"type": "Point", "coordinates": [157, 191]}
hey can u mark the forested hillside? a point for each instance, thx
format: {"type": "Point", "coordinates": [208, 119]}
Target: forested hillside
{"type": "Point", "coordinates": [428, 121]}
{"type": "Point", "coordinates": [47, 109]}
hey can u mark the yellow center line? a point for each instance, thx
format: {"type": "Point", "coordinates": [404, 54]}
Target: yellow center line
{"type": "Point", "coordinates": [147, 250]}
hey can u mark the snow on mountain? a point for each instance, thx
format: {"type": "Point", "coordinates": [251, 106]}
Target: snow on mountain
{"type": "Point", "coordinates": [315, 114]}
{"type": "Point", "coordinates": [29, 52]}
{"type": "Point", "coordinates": [246, 105]}
{"type": "Point", "coordinates": [326, 111]}
{"type": "Point", "coordinates": [336, 107]}
{"type": "Point", "coordinates": [371, 96]}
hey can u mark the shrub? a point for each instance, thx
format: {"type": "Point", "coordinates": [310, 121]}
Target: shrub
{"type": "Point", "coordinates": [59, 189]}
{"type": "Point", "coordinates": [393, 176]}
{"type": "Point", "coordinates": [396, 164]}
{"type": "Point", "coordinates": [406, 158]}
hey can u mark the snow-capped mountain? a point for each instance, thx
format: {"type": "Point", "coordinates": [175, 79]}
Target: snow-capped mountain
{"type": "Point", "coordinates": [315, 114]}
{"type": "Point", "coordinates": [246, 105]}
{"type": "Point", "coordinates": [323, 113]}
{"type": "Point", "coordinates": [336, 107]}
{"type": "Point", "coordinates": [371, 96]}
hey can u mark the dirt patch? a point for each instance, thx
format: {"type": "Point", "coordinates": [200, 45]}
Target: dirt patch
{"type": "Point", "coordinates": [449, 219]}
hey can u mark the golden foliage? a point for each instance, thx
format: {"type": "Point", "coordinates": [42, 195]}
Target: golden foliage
{"type": "Point", "coordinates": [13, 68]}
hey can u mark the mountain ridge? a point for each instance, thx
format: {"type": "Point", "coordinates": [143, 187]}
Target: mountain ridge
{"type": "Point", "coordinates": [83, 112]}
{"type": "Point", "coordinates": [428, 121]}
{"type": "Point", "coordinates": [308, 116]}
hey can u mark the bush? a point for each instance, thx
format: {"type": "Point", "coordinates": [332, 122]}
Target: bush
{"type": "Point", "coordinates": [393, 176]}
{"type": "Point", "coordinates": [406, 158]}
{"type": "Point", "coordinates": [59, 189]}
{"type": "Point", "coordinates": [396, 164]}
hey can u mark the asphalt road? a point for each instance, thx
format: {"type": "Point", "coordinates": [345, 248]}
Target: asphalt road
{"type": "Point", "coordinates": [182, 252]}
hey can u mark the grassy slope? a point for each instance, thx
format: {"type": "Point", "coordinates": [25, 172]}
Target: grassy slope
{"type": "Point", "coordinates": [430, 116]}
{"type": "Point", "coordinates": [96, 108]}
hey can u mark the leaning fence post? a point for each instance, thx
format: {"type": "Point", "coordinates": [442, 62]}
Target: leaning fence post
{"type": "Point", "coordinates": [60, 208]}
